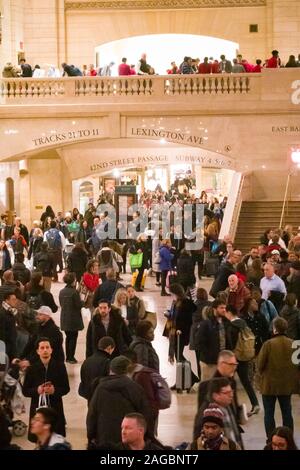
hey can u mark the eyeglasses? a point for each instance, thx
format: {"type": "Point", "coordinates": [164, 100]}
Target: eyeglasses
{"type": "Point", "coordinates": [235, 364]}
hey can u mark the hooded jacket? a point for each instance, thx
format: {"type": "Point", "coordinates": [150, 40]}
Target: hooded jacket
{"type": "Point", "coordinates": [114, 397]}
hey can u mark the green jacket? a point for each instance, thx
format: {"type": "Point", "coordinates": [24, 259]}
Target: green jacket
{"type": "Point", "coordinates": [279, 376]}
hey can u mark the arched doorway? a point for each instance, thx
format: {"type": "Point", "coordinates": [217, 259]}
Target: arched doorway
{"type": "Point", "coordinates": [171, 47]}
{"type": "Point", "coordinates": [9, 194]}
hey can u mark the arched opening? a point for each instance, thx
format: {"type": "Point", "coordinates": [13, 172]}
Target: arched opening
{"type": "Point", "coordinates": [86, 195]}
{"type": "Point", "coordinates": [9, 194]}
{"type": "Point", "coordinates": [171, 47]}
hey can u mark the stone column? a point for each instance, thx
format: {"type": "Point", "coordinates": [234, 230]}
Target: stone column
{"type": "Point", "coordinates": [25, 193]}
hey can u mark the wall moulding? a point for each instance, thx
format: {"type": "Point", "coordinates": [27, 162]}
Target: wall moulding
{"type": "Point", "coordinates": [161, 4]}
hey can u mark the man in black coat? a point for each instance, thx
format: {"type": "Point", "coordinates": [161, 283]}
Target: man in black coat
{"type": "Point", "coordinates": [49, 379]}
{"type": "Point", "coordinates": [46, 329]}
{"type": "Point", "coordinates": [294, 280]}
{"type": "Point", "coordinates": [115, 397]}
{"type": "Point", "coordinates": [211, 338]}
{"type": "Point", "coordinates": [107, 322]}
{"type": "Point", "coordinates": [95, 367]}
{"type": "Point", "coordinates": [108, 288]}
{"type": "Point", "coordinates": [21, 273]}
{"type": "Point", "coordinates": [221, 281]}
{"type": "Point", "coordinates": [8, 331]}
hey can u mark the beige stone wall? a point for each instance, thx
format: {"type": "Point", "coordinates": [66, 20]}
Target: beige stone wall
{"type": "Point", "coordinates": [44, 26]}
{"type": "Point", "coordinates": [99, 27]}
{"type": "Point", "coordinates": [51, 34]}
{"type": "Point", "coordinates": [286, 27]}
{"type": "Point", "coordinates": [12, 30]}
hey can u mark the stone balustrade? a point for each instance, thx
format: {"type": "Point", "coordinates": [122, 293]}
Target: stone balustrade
{"type": "Point", "coordinates": [269, 90]}
{"type": "Point", "coordinates": [23, 90]}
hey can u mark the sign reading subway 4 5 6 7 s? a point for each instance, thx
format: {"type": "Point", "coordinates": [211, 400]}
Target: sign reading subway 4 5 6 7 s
{"type": "Point", "coordinates": [296, 93]}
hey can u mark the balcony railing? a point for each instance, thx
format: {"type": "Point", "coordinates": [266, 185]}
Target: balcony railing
{"type": "Point", "coordinates": [269, 87]}
{"type": "Point", "coordinates": [15, 90]}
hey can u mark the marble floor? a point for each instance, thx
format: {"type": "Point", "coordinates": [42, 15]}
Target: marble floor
{"type": "Point", "coordinates": [175, 423]}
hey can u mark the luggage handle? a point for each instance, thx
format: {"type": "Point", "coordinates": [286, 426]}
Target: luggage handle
{"type": "Point", "coordinates": [178, 339]}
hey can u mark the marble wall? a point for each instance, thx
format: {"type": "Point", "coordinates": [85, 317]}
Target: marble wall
{"type": "Point", "coordinates": [52, 34]}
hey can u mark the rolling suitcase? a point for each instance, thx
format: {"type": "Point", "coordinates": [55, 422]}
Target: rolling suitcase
{"type": "Point", "coordinates": [183, 374]}
{"type": "Point", "coordinates": [212, 266]}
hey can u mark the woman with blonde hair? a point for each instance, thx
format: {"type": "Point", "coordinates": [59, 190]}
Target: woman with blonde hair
{"type": "Point", "coordinates": [35, 245]}
{"type": "Point", "coordinates": [127, 311]}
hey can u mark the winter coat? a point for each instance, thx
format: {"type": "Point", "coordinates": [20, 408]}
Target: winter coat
{"type": "Point", "coordinates": [77, 261]}
{"type": "Point", "coordinates": [185, 271]}
{"type": "Point", "coordinates": [6, 260]}
{"type": "Point", "coordinates": [259, 327]}
{"type": "Point", "coordinates": [114, 397]}
{"type": "Point", "coordinates": [106, 290]}
{"type": "Point", "coordinates": [197, 319]}
{"type": "Point", "coordinates": [155, 249]}
{"type": "Point", "coordinates": [46, 330]}
{"type": "Point", "coordinates": [184, 318]}
{"type": "Point", "coordinates": [36, 375]}
{"type": "Point", "coordinates": [238, 298]}
{"type": "Point", "coordinates": [9, 71]}
{"type": "Point", "coordinates": [208, 340]}
{"type": "Point", "coordinates": [44, 263]}
{"type": "Point", "coordinates": [95, 366]}
{"type": "Point", "coordinates": [70, 316]}
{"type": "Point", "coordinates": [21, 273]}
{"type": "Point", "coordinates": [56, 442]}
{"type": "Point", "coordinates": [8, 332]}
{"type": "Point", "coordinates": [43, 297]}
{"type": "Point", "coordinates": [279, 376]}
{"type": "Point", "coordinates": [165, 258]}
{"type": "Point", "coordinates": [226, 444]}
{"type": "Point", "coordinates": [146, 354]}
{"type": "Point", "coordinates": [292, 316]}
{"type": "Point", "coordinates": [233, 329]}
{"type": "Point", "coordinates": [294, 286]}
{"type": "Point", "coordinates": [117, 329]}
{"type": "Point", "coordinates": [221, 281]}
{"type": "Point", "coordinates": [35, 246]}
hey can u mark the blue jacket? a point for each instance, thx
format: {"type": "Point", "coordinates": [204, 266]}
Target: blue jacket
{"type": "Point", "coordinates": [165, 258]}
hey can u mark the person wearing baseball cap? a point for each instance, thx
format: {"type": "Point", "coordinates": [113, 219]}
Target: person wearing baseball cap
{"type": "Point", "coordinates": [46, 328]}
{"type": "Point", "coordinates": [212, 435]}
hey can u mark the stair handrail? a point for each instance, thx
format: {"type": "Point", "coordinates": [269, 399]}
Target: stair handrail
{"type": "Point", "coordinates": [285, 199]}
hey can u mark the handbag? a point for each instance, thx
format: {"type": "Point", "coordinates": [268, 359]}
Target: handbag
{"type": "Point", "coordinates": [136, 260]}
{"type": "Point", "coordinates": [43, 401]}
{"type": "Point", "coordinates": [83, 291]}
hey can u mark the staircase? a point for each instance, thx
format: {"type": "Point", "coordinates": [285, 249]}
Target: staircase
{"type": "Point", "coordinates": [257, 216]}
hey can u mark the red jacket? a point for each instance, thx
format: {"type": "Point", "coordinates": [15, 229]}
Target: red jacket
{"type": "Point", "coordinates": [238, 298]}
{"type": "Point", "coordinates": [205, 68]}
{"type": "Point", "coordinates": [124, 69]}
{"type": "Point", "coordinates": [91, 281]}
{"type": "Point", "coordinates": [272, 63]}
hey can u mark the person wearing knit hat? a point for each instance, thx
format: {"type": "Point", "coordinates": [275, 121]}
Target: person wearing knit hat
{"type": "Point", "coordinates": [212, 437]}
{"type": "Point", "coordinates": [119, 365]}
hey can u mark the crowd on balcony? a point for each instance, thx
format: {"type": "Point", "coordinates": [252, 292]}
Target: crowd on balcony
{"type": "Point", "coordinates": [209, 65]}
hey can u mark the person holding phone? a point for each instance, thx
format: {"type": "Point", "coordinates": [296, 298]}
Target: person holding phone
{"type": "Point", "coordinates": [46, 382]}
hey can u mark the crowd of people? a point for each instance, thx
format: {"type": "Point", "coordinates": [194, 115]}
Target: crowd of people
{"type": "Point", "coordinates": [209, 65]}
{"type": "Point", "coordinates": [244, 325]}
